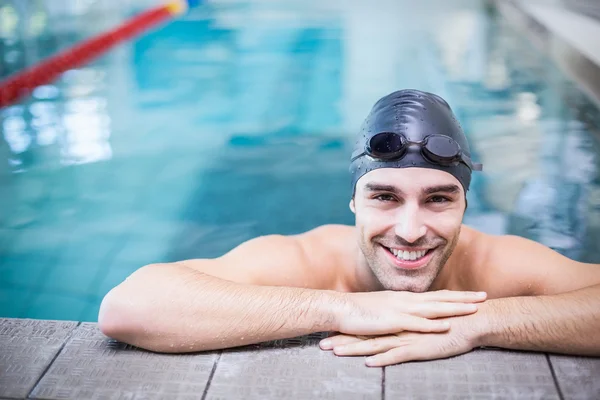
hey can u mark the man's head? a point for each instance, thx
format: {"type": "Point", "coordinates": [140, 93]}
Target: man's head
{"type": "Point", "coordinates": [411, 168]}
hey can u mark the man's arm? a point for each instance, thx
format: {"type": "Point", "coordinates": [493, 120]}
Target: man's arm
{"type": "Point", "coordinates": [553, 305]}
{"type": "Point", "coordinates": [556, 305]}
{"type": "Point", "coordinates": [563, 323]}
{"type": "Point", "coordinates": [216, 303]}
{"type": "Point", "coordinates": [268, 288]}
{"type": "Point", "coordinates": [173, 308]}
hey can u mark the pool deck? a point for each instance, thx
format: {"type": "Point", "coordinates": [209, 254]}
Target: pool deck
{"type": "Point", "coordinates": [70, 360]}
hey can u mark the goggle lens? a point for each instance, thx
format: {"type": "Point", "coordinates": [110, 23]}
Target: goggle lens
{"type": "Point", "coordinates": [387, 145]}
{"type": "Point", "coordinates": [441, 149]}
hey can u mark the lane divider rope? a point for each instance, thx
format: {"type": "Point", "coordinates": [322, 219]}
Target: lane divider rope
{"type": "Point", "coordinates": [22, 83]}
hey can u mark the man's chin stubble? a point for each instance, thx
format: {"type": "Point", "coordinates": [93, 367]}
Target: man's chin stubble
{"type": "Point", "coordinates": [394, 274]}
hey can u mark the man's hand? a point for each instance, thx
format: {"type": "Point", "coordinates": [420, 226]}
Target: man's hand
{"type": "Point", "coordinates": [381, 313]}
{"type": "Point", "coordinates": [401, 347]}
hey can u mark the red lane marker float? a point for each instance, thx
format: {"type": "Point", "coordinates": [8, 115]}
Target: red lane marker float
{"type": "Point", "coordinates": [22, 83]}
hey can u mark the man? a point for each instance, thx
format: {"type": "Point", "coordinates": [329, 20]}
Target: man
{"type": "Point", "coordinates": [408, 282]}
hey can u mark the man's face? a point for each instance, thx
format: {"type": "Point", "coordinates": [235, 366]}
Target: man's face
{"type": "Point", "coordinates": [408, 221]}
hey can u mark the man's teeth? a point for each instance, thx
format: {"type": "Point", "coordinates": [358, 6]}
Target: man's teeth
{"type": "Point", "coordinates": [408, 255]}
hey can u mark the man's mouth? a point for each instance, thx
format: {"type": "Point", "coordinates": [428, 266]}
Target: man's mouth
{"type": "Point", "coordinates": [409, 259]}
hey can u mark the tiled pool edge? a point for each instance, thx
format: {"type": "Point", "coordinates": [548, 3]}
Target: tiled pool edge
{"type": "Point", "coordinates": [68, 360]}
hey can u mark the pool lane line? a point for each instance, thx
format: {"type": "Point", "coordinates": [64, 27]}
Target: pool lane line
{"type": "Point", "coordinates": [21, 84]}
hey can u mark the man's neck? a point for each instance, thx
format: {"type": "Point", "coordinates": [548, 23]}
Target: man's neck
{"type": "Point", "coordinates": [457, 272]}
{"type": "Point", "coordinates": [365, 279]}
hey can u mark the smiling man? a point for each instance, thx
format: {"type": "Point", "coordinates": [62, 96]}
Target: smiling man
{"type": "Point", "coordinates": [408, 282]}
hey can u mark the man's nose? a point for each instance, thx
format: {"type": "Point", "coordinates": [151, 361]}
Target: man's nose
{"type": "Point", "coordinates": [410, 225]}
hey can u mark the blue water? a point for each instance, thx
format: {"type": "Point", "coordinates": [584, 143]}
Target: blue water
{"type": "Point", "coordinates": [237, 120]}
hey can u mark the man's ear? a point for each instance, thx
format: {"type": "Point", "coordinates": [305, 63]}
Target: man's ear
{"type": "Point", "coordinates": [352, 205]}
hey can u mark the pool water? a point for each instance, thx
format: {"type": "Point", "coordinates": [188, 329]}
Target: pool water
{"type": "Point", "coordinates": [237, 120]}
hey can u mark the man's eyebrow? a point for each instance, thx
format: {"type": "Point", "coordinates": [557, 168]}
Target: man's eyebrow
{"type": "Point", "coordinates": [380, 187]}
{"type": "Point", "coordinates": [442, 189]}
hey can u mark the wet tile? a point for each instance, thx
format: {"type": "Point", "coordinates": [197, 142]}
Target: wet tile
{"type": "Point", "coordinates": [293, 369]}
{"type": "Point", "coordinates": [94, 366]}
{"type": "Point", "coordinates": [26, 349]}
{"type": "Point", "coordinates": [577, 376]}
{"type": "Point", "coordinates": [478, 374]}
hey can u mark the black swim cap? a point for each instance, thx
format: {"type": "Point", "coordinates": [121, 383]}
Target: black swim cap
{"type": "Point", "coordinates": [398, 131]}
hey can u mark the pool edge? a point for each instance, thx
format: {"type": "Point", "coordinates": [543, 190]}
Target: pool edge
{"type": "Point", "coordinates": [569, 59]}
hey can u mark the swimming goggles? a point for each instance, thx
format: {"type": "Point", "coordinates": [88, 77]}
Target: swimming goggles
{"type": "Point", "coordinates": [437, 149]}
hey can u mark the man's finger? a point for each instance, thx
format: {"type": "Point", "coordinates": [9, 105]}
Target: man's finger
{"type": "Point", "coordinates": [338, 340]}
{"type": "Point", "coordinates": [396, 355]}
{"type": "Point", "coordinates": [455, 296]}
{"type": "Point", "coordinates": [418, 324]}
{"type": "Point", "coordinates": [437, 309]}
{"type": "Point", "coordinates": [368, 347]}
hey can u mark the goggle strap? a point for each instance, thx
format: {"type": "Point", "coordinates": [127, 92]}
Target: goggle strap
{"type": "Point", "coordinates": [357, 156]}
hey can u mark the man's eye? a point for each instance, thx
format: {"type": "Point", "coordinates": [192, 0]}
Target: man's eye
{"type": "Point", "coordinates": [384, 197]}
{"type": "Point", "coordinates": [438, 199]}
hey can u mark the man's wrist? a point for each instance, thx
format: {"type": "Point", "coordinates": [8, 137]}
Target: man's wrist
{"type": "Point", "coordinates": [332, 307]}
{"type": "Point", "coordinates": [496, 324]}
{"type": "Point", "coordinates": [483, 324]}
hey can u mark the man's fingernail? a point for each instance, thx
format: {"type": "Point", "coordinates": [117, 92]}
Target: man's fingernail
{"type": "Point", "coordinates": [481, 294]}
{"type": "Point", "coordinates": [370, 361]}
{"type": "Point", "coordinates": [445, 324]}
{"type": "Point", "coordinates": [325, 344]}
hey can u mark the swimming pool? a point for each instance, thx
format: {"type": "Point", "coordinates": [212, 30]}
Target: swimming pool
{"type": "Point", "coordinates": [236, 120]}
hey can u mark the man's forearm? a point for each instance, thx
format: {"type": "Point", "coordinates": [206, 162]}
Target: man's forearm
{"type": "Point", "coordinates": [566, 323]}
{"type": "Point", "coordinates": [177, 309]}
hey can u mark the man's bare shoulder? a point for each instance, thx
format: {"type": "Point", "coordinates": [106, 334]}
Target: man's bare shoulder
{"type": "Point", "coordinates": [333, 234]}
{"type": "Point", "coordinates": [312, 259]}
{"type": "Point", "coordinates": [332, 248]}
{"type": "Point", "coordinates": [509, 265]}
{"type": "Point", "coordinates": [475, 264]}
{"type": "Point", "coordinates": [487, 264]}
